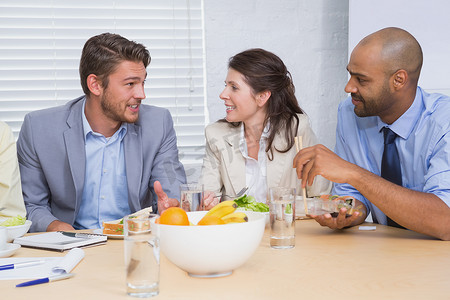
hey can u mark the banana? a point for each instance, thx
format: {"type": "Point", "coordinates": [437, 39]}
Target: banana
{"type": "Point", "coordinates": [222, 209]}
{"type": "Point", "coordinates": [236, 217]}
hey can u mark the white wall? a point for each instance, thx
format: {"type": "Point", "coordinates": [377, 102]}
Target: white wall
{"type": "Point", "coordinates": [311, 37]}
{"type": "Point", "coordinates": [427, 21]}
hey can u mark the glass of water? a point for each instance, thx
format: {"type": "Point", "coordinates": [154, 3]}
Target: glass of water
{"type": "Point", "coordinates": [191, 197]}
{"type": "Point", "coordinates": [282, 217]}
{"type": "Point", "coordinates": [141, 255]}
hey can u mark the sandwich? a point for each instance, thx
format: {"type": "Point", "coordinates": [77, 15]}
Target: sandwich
{"type": "Point", "coordinates": [333, 203]}
{"type": "Point", "coordinates": [115, 227]}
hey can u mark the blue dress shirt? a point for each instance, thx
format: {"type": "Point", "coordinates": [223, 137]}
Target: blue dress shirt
{"type": "Point", "coordinates": [423, 145]}
{"type": "Point", "coordinates": [105, 193]}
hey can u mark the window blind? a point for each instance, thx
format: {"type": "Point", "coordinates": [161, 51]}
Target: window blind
{"type": "Point", "coordinates": [40, 49]}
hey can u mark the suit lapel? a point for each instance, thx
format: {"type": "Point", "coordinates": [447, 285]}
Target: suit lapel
{"type": "Point", "coordinates": [233, 160]}
{"type": "Point", "coordinates": [76, 153]}
{"type": "Point", "coordinates": [133, 164]}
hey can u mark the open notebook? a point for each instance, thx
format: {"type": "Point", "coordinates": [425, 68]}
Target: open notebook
{"type": "Point", "coordinates": [60, 242]}
{"type": "Point", "coordinates": [49, 266]}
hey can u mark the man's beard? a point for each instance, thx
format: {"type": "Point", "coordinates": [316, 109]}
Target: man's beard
{"type": "Point", "coordinates": [113, 111]}
{"type": "Point", "coordinates": [373, 106]}
{"type": "Point", "coordinates": [360, 112]}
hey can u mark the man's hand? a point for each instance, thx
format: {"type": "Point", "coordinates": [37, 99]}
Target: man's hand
{"type": "Point", "coordinates": [341, 221]}
{"type": "Point", "coordinates": [210, 200]}
{"type": "Point", "coordinates": [319, 160]}
{"type": "Point", "coordinates": [59, 226]}
{"type": "Point", "coordinates": [164, 202]}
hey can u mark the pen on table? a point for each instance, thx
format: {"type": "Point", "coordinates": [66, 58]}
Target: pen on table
{"type": "Point", "coordinates": [76, 235]}
{"type": "Point", "coordinates": [22, 265]}
{"type": "Point", "coordinates": [45, 280]}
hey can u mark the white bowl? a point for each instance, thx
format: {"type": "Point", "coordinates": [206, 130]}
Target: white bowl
{"type": "Point", "coordinates": [17, 231]}
{"type": "Point", "coordinates": [212, 250]}
{"type": "Point", "coordinates": [266, 213]}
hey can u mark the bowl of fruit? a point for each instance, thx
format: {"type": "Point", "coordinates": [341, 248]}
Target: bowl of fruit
{"type": "Point", "coordinates": [209, 243]}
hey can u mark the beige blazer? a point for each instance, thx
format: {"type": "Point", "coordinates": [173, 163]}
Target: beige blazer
{"type": "Point", "coordinates": [223, 168]}
{"type": "Point", "coordinates": [10, 187]}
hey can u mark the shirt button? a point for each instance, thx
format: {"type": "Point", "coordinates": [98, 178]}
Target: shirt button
{"type": "Point", "coordinates": [103, 197]}
{"type": "Point", "coordinates": [104, 171]}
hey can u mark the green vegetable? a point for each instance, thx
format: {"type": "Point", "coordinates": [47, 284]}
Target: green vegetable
{"type": "Point", "coordinates": [14, 221]}
{"type": "Point", "coordinates": [288, 209]}
{"type": "Point", "coordinates": [249, 203]}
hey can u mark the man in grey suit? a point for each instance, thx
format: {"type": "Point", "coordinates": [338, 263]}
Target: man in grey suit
{"type": "Point", "coordinates": [103, 155]}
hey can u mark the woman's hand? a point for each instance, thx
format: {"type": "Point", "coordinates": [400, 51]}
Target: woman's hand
{"type": "Point", "coordinates": [210, 200]}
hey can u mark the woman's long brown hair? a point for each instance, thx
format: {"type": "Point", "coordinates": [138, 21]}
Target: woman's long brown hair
{"type": "Point", "coordinates": [264, 71]}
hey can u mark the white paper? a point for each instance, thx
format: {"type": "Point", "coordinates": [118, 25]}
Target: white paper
{"type": "Point", "coordinates": [51, 266]}
{"type": "Point", "coordinates": [367, 228]}
{"type": "Point", "coordinates": [72, 258]}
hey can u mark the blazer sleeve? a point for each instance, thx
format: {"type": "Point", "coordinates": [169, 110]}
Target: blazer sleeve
{"type": "Point", "coordinates": [167, 168]}
{"type": "Point", "coordinates": [34, 185]}
{"type": "Point", "coordinates": [210, 175]}
{"type": "Point", "coordinates": [10, 187]}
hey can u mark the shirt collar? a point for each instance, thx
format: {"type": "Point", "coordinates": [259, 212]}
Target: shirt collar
{"type": "Point", "coordinates": [87, 128]}
{"type": "Point", "coordinates": [404, 125]}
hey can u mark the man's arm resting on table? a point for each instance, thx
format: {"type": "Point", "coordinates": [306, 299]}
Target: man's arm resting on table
{"type": "Point", "coordinates": [422, 212]}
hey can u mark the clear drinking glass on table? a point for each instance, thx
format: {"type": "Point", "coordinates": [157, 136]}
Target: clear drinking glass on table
{"type": "Point", "coordinates": [282, 217]}
{"type": "Point", "coordinates": [191, 196]}
{"type": "Point", "coordinates": [141, 251]}
{"type": "Point", "coordinates": [303, 208]}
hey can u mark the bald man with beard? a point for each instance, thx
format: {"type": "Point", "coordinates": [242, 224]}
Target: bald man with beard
{"type": "Point", "coordinates": [384, 71]}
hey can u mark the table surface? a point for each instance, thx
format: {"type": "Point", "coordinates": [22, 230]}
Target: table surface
{"type": "Point", "coordinates": [386, 263]}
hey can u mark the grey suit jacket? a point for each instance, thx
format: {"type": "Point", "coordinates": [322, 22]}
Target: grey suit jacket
{"type": "Point", "coordinates": [52, 160]}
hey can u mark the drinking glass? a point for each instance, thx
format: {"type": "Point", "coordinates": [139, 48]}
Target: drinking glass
{"type": "Point", "coordinates": [191, 197]}
{"type": "Point", "coordinates": [282, 217]}
{"type": "Point", "coordinates": [141, 251]}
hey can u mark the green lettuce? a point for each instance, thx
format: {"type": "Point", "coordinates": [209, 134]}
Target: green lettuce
{"type": "Point", "coordinates": [249, 203]}
{"type": "Point", "coordinates": [14, 221]}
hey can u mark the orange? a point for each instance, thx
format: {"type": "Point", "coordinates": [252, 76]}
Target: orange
{"type": "Point", "coordinates": [174, 216]}
{"type": "Point", "coordinates": [211, 220]}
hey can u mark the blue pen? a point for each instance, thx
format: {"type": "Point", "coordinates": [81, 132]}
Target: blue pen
{"type": "Point", "coordinates": [45, 280]}
{"type": "Point", "coordinates": [22, 265]}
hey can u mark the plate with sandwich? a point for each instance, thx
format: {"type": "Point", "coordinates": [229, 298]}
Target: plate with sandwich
{"type": "Point", "coordinates": [114, 229]}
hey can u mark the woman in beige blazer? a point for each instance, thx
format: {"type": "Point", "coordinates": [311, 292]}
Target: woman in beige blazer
{"type": "Point", "coordinates": [254, 145]}
{"type": "Point", "coordinates": [11, 199]}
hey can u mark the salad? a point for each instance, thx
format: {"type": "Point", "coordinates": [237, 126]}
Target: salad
{"type": "Point", "coordinates": [14, 221]}
{"type": "Point", "coordinates": [249, 203]}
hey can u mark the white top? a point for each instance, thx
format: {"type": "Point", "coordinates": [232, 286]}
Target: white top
{"type": "Point", "coordinates": [256, 170]}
